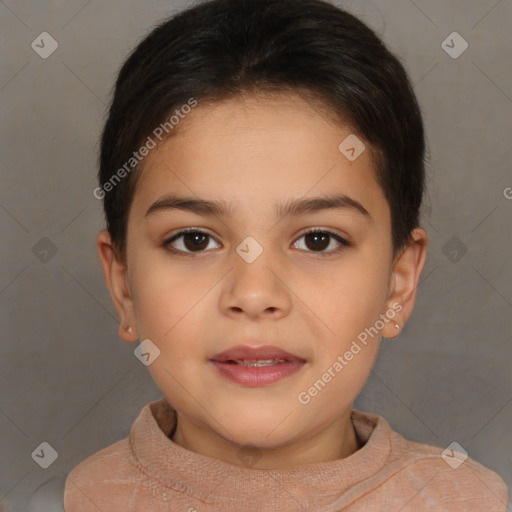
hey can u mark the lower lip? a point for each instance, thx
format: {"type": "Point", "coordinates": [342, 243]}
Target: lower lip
{"type": "Point", "coordinates": [255, 376]}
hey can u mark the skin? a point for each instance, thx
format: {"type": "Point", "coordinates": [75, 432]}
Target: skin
{"type": "Point", "coordinates": [255, 151]}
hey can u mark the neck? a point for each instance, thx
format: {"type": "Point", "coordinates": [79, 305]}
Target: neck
{"type": "Point", "coordinates": [334, 441]}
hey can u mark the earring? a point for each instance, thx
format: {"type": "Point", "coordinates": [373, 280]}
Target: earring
{"type": "Point", "coordinates": [128, 328]}
{"type": "Point", "coordinates": [397, 326]}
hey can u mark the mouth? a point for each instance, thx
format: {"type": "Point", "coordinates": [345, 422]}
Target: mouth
{"type": "Point", "coordinates": [254, 367]}
{"type": "Point", "coordinates": [258, 363]}
{"type": "Point", "coordinates": [266, 355]}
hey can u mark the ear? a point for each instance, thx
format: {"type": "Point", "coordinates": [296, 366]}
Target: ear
{"type": "Point", "coordinates": [116, 278]}
{"type": "Point", "coordinates": [403, 283]}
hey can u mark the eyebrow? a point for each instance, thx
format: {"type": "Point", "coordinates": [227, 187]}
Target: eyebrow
{"type": "Point", "coordinates": [293, 207]}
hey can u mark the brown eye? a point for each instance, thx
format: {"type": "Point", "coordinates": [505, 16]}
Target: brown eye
{"type": "Point", "coordinates": [193, 241]}
{"type": "Point", "coordinates": [317, 240]}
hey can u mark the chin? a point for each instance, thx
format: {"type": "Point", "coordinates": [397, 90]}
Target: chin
{"type": "Point", "coordinates": [257, 432]}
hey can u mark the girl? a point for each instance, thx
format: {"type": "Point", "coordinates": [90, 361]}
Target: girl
{"type": "Point", "coordinates": [262, 173]}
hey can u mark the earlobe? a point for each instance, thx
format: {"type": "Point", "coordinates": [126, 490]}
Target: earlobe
{"type": "Point", "coordinates": [404, 282]}
{"type": "Point", "coordinates": [116, 279]}
{"type": "Point", "coordinates": [127, 333]}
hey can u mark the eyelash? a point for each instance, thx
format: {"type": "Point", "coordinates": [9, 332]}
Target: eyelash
{"type": "Point", "coordinates": [343, 243]}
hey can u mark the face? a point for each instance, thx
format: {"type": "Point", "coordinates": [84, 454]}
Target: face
{"type": "Point", "coordinates": [256, 275]}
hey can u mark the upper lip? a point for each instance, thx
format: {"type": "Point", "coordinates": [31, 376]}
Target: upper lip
{"type": "Point", "coordinates": [245, 352]}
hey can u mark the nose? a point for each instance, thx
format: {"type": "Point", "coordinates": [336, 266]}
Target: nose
{"type": "Point", "coordinates": [256, 289]}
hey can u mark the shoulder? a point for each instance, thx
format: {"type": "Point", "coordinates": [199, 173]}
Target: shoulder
{"type": "Point", "coordinates": [98, 479]}
{"type": "Point", "coordinates": [447, 476]}
{"type": "Point", "coordinates": [112, 478]}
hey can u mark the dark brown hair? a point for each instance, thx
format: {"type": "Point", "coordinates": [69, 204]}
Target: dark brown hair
{"type": "Point", "coordinates": [222, 48]}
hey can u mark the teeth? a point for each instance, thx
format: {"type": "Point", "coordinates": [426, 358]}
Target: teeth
{"type": "Point", "coordinates": [260, 362]}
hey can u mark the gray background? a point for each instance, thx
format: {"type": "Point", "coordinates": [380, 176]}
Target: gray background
{"type": "Point", "coordinates": [66, 377]}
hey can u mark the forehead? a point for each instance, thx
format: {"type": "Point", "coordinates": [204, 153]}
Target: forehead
{"type": "Point", "coordinates": [250, 151]}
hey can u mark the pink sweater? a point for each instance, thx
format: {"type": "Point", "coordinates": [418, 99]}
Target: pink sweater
{"type": "Point", "coordinates": [148, 472]}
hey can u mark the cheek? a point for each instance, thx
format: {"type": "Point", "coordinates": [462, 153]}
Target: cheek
{"type": "Point", "coordinates": [340, 382]}
{"type": "Point", "coordinates": [350, 293]}
{"type": "Point", "coordinates": [349, 304]}
{"type": "Point", "coordinates": [166, 301]}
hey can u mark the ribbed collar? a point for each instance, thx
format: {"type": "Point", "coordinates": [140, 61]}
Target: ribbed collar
{"type": "Point", "coordinates": [215, 481]}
